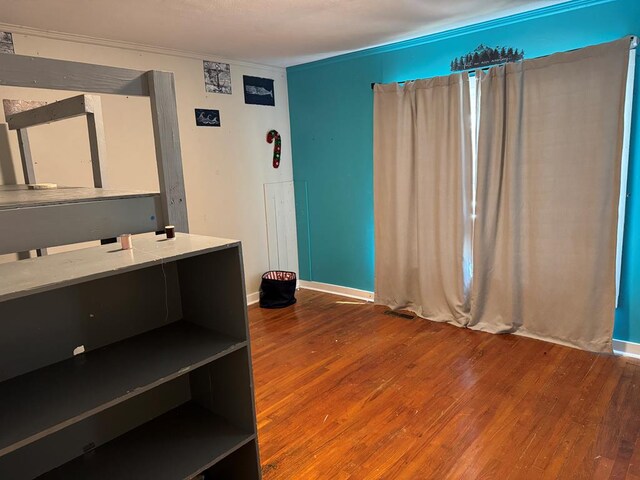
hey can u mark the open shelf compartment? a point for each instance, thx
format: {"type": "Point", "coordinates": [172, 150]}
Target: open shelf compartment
{"type": "Point", "coordinates": [46, 400]}
{"type": "Point", "coordinates": [174, 431]}
{"type": "Point", "coordinates": [177, 445]}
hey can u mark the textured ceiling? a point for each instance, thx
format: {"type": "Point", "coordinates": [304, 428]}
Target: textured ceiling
{"type": "Point", "coordinates": [273, 32]}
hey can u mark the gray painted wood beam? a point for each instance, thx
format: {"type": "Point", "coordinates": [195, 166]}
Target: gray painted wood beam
{"type": "Point", "coordinates": [164, 114]}
{"type": "Point", "coordinates": [37, 72]}
{"type": "Point", "coordinates": [97, 143]}
{"type": "Point", "coordinates": [53, 112]}
{"type": "Point", "coordinates": [25, 156]}
{"type": "Point", "coordinates": [29, 174]}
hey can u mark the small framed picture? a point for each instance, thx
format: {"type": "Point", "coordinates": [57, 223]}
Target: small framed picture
{"type": "Point", "coordinates": [6, 43]}
{"type": "Point", "coordinates": [207, 118]}
{"type": "Point", "coordinates": [258, 91]}
{"type": "Point", "coordinates": [217, 77]}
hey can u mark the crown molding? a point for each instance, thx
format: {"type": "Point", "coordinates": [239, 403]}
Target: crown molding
{"type": "Point", "coordinates": [138, 47]}
{"type": "Point", "coordinates": [456, 32]}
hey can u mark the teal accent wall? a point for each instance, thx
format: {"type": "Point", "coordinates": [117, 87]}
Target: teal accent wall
{"type": "Point", "coordinates": [331, 108]}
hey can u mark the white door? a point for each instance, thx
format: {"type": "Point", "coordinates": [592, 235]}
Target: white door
{"type": "Point", "coordinates": [279, 200]}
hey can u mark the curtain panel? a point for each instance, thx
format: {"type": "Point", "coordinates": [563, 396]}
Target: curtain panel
{"type": "Point", "coordinates": [548, 182]}
{"type": "Point", "coordinates": [422, 191]}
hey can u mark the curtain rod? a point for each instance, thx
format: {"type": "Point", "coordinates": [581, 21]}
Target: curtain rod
{"type": "Point", "coordinates": [634, 44]}
{"type": "Point", "coordinates": [469, 70]}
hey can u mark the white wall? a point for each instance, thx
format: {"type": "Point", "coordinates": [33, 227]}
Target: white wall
{"type": "Point", "coordinates": [224, 168]}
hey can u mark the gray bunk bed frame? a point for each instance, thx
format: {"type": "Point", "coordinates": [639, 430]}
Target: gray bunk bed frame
{"type": "Point", "coordinates": [40, 214]}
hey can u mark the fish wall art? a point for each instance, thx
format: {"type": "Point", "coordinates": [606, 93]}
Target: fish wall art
{"type": "Point", "coordinates": [258, 91]}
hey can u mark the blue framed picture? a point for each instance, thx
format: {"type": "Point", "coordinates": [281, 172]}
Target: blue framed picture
{"type": "Point", "coordinates": [207, 118]}
{"type": "Point", "coordinates": [258, 91]}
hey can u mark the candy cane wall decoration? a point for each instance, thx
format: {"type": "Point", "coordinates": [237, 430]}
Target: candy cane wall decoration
{"type": "Point", "coordinates": [271, 136]}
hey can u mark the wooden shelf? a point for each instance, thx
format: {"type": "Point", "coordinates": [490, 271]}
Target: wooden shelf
{"type": "Point", "coordinates": [32, 219]}
{"type": "Point", "coordinates": [176, 445]}
{"type": "Point", "coordinates": [44, 401]}
{"type": "Point", "coordinates": [20, 196]}
{"type": "Point", "coordinates": [36, 275]}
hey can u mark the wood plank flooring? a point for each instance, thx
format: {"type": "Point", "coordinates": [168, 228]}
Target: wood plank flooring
{"type": "Point", "coordinates": [344, 391]}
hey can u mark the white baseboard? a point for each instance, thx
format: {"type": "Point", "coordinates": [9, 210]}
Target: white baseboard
{"type": "Point", "coordinates": [253, 298]}
{"type": "Point", "coordinates": [337, 290]}
{"type": "Point", "coordinates": [626, 349]}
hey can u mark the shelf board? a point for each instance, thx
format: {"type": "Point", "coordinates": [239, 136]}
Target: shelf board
{"type": "Point", "coordinates": [31, 219]}
{"type": "Point", "coordinates": [44, 401]}
{"type": "Point", "coordinates": [35, 275]}
{"type": "Point", "coordinates": [176, 445]}
{"type": "Point", "coordinates": [20, 196]}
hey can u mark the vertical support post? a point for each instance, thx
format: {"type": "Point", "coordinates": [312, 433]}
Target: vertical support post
{"type": "Point", "coordinates": [97, 143]}
{"type": "Point", "coordinates": [29, 175]}
{"type": "Point", "coordinates": [164, 115]}
{"type": "Point", "coordinates": [25, 156]}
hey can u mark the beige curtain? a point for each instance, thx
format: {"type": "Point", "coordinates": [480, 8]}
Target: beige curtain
{"type": "Point", "coordinates": [549, 152]}
{"type": "Point", "coordinates": [422, 183]}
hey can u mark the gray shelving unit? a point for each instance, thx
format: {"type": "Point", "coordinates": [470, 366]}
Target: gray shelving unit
{"type": "Point", "coordinates": [164, 387]}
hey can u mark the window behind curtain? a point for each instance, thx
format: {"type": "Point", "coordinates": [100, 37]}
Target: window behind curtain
{"type": "Point", "coordinates": [624, 168]}
{"type": "Point", "coordinates": [474, 92]}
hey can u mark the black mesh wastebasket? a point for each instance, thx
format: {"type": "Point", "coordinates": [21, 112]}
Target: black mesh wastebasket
{"type": "Point", "coordinates": [278, 289]}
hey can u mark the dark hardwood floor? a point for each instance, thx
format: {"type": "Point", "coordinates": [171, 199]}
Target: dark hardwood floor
{"type": "Point", "coordinates": [346, 392]}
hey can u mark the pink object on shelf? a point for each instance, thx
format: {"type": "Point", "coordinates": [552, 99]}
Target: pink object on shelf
{"type": "Point", "coordinates": [125, 241]}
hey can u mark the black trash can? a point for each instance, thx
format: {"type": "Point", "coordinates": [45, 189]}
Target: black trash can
{"type": "Point", "coordinates": [278, 289]}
